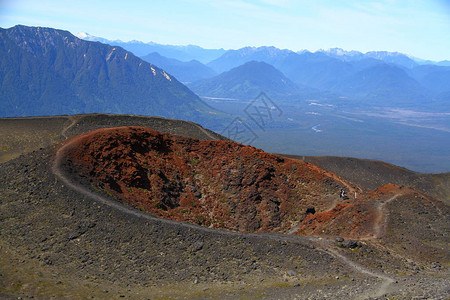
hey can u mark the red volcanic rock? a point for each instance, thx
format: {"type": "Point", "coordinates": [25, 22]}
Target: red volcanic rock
{"type": "Point", "coordinates": [350, 220]}
{"type": "Point", "coordinates": [363, 218]}
{"type": "Point", "coordinates": [219, 184]}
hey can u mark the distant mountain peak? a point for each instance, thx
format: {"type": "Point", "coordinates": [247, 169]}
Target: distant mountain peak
{"type": "Point", "coordinates": [234, 58]}
{"type": "Point", "coordinates": [92, 38]}
{"type": "Point", "coordinates": [246, 82]}
{"type": "Point", "coordinates": [340, 52]}
{"type": "Point", "coordinates": [189, 71]}
{"type": "Point", "coordinates": [83, 35]}
{"type": "Point", "coordinates": [384, 53]}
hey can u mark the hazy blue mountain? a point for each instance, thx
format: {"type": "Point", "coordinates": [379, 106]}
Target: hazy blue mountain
{"type": "Point", "coordinates": [183, 53]}
{"type": "Point", "coordinates": [44, 71]}
{"type": "Point", "coordinates": [282, 59]}
{"type": "Point", "coordinates": [393, 58]}
{"type": "Point", "coordinates": [384, 56]}
{"type": "Point", "coordinates": [321, 70]}
{"type": "Point", "coordinates": [234, 58]}
{"type": "Point", "coordinates": [363, 78]}
{"type": "Point", "coordinates": [246, 82]}
{"type": "Point", "coordinates": [445, 63]}
{"type": "Point", "coordinates": [375, 78]}
{"type": "Point", "coordinates": [383, 83]}
{"type": "Point", "coordinates": [433, 77]}
{"type": "Point", "coordinates": [367, 80]}
{"type": "Point", "coordinates": [419, 61]}
{"type": "Point", "coordinates": [364, 63]}
{"type": "Point", "coordinates": [316, 70]}
{"type": "Point", "coordinates": [184, 71]}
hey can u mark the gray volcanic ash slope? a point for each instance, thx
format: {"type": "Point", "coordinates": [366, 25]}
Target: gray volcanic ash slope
{"type": "Point", "coordinates": [64, 238]}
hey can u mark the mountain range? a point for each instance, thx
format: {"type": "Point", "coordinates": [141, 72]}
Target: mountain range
{"type": "Point", "coordinates": [183, 53]}
{"type": "Point", "coordinates": [380, 78]}
{"type": "Point", "coordinates": [374, 78]}
{"type": "Point", "coordinates": [45, 71]}
{"type": "Point", "coordinates": [124, 206]}
{"type": "Point", "coordinates": [388, 57]}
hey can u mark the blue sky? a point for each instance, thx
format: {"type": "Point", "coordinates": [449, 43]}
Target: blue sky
{"type": "Point", "coordinates": [416, 27]}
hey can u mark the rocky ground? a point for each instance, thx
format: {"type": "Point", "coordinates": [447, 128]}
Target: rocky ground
{"type": "Point", "coordinates": [60, 243]}
{"type": "Point", "coordinates": [24, 135]}
{"type": "Point", "coordinates": [371, 174]}
{"type": "Point", "coordinates": [63, 238]}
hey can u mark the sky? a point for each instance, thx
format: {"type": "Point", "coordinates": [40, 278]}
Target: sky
{"type": "Point", "coordinates": [420, 28]}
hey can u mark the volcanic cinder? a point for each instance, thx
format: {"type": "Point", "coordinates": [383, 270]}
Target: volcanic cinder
{"type": "Point", "coordinates": [217, 184]}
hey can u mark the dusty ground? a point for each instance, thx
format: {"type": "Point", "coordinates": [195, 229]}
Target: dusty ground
{"type": "Point", "coordinates": [64, 239]}
{"type": "Point", "coordinates": [60, 242]}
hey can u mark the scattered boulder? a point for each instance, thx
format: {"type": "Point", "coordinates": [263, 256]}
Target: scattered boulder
{"type": "Point", "coordinates": [310, 210]}
{"type": "Point", "coordinates": [350, 244]}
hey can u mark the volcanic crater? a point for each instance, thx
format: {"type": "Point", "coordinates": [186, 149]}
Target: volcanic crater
{"type": "Point", "coordinates": [213, 183]}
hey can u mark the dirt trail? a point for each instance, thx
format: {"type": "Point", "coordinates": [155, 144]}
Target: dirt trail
{"type": "Point", "coordinates": [205, 131]}
{"type": "Point", "coordinates": [352, 191]}
{"type": "Point", "coordinates": [382, 289]}
{"type": "Point", "coordinates": [74, 120]}
{"type": "Point", "coordinates": [378, 230]}
{"type": "Point", "coordinates": [59, 173]}
{"type": "Point", "coordinates": [379, 226]}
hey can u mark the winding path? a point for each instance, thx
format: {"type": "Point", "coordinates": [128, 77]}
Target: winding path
{"type": "Point", "coordinates": [324, 247]}
{"type": "Point", "coordinates": [386, 283]}
{"type": "Point", "coordinates": [378, 230]}
{"type": "Point", "coordinates": [60, 174]}
{"type": "Point", "coordinates": [74, 120]}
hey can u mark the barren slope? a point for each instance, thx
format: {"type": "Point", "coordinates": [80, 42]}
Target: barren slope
{"type": "Point", "coordinates": [404, 220]}
{"type": "Point", "coordinates": [63, 237]}
{"type": "Point", "coordinates": [23, 135]}
{"type": "Point", "coordinates": [371, 174]}
{"type": "Point", "coordinates": [59, 242]}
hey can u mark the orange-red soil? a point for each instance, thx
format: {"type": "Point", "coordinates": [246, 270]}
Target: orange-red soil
{"type": "Point", "coordinates": [219, 184]}
{"type": "Point", "coordinates": [362, 218]}
{"type": "Point", "coordinates": [352, 220]}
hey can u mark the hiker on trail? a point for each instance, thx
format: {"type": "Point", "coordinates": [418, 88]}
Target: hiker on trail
{"type": "Point", "coordinates": [342, 194]}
